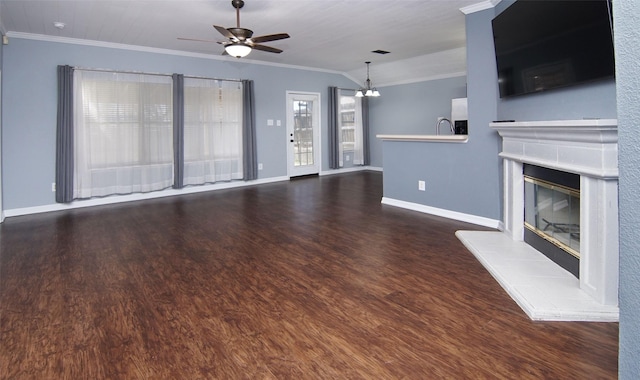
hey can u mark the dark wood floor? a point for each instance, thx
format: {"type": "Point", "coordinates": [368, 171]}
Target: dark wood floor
{"type": "Point", "coordinates": [312, 278]}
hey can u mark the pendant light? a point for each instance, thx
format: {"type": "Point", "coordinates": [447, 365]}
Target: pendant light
{"type": "Point", "coordinates": [367, 90]}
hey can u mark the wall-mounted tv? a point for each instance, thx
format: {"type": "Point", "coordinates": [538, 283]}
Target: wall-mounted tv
{"type": "Point", "coordinates": [542, 45]}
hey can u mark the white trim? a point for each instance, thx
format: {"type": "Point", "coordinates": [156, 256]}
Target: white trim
{"type": "Point", "coordinates": [317, 133]}
{"type": "Point", "coordinates": [487, 4]}
{"type": "Point", "coordinates": [113, 45]}
{"type": "Point", "coordinates": [468, 218]}
{"type": "Point", "coordinates": [423, 79]}
{"type": "Point", "coordinates": [138, 197]}
{"type": "Point", "coordinates": [349, 170]}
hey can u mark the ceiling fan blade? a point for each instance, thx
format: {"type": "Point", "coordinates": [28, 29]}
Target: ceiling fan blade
{"type": "Point", "coordinates": [224, 31]}
{"type": "Point", "coordinates": [270, 37]}
{"type": "Point", "coordinates": [195, 39]}
{"type": "Point", "coordinates": [266, 48]}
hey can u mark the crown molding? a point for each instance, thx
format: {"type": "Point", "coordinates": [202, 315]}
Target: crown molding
{"type": "Point", "coordinates": [425, 79]}
{"type": "Point", "coordinates": [146, 49]}
{"type": "Point", "coordinates": [487, 4]}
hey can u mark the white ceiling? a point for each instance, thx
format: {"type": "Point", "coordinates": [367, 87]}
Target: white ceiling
{"type": "Point", "coordinates": [426, 38]}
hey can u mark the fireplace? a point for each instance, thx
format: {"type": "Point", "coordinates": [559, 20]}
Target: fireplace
{"type": "Point", "coordinates": [588, 148]}
{"type": "Point", "coordinates": [583, 218]}
{"type": "Point", "coordinates": [552, 215]}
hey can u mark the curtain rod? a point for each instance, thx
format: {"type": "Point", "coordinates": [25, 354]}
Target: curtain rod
{"type": "Point", "coordinates": [145, 73]}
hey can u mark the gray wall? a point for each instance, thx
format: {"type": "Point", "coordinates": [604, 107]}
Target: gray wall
{"type": "Point", "coordinates": [459, 177]}
{"type": "Point", "coordinates": [626, 19]}
{"type": "Point", "coordinates": [1, 207]}
{"type": "Point", "coordinates": [411, 109]}
{"type": "Point", "coordinates": [608, 99]}
{"type": "Point", "coordinates": [29, 110]}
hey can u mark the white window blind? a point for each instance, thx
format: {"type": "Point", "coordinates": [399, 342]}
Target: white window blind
{"type": "Point", "coordinates": [212, 131]}
{"type": "Point", "coordinates": [123, 133]}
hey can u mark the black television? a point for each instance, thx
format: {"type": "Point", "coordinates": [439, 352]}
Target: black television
{"type": "Point", "coordinates": [546, 44]}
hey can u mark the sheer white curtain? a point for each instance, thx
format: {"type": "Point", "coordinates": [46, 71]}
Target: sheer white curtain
{"type": "Point", "coordinates": [358, 149]}
{"type": "Point", "coordinates": [350, 125]}
{"type": "Point", "coordinates": [123, 133]}
{"type": "Point", "coordinates": [212, 131]}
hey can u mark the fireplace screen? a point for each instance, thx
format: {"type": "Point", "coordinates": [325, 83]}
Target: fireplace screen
{"type": "Point", "coordinates": [553, 212]}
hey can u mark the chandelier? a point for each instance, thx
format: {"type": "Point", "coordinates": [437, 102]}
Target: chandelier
{"type": "Point", "coordinates": [367, 90]}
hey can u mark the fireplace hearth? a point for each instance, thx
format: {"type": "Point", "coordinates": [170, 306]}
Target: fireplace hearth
{"type": "Point", "coordinates": [587, 149]}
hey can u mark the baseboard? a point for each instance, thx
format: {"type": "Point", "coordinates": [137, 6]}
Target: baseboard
{"type": "Point", "coordinates": [350, 170]}
{"type": "Point", "coordinates": [137, 197]}
{"type": "Point", "coordinates": [161, 194]}
{"type": "Point", "coordinates": [468, 218]}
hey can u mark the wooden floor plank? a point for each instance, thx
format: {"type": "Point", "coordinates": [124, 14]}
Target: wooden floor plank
{"type": "Point", "coordinates": [308, 279]}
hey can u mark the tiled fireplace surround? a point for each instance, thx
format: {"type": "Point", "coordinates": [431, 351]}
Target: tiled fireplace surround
{"type": "Point", "coordinates": [545, 291]}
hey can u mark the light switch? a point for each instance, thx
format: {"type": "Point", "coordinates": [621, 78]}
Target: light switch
{"type": "Point", "coordinates": [278, 123]}
{"type": "Point", "coordinates": [270, 122]}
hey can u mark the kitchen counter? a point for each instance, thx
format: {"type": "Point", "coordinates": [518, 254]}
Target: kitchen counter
{"type": "Point", "coordinates": [426, 138]}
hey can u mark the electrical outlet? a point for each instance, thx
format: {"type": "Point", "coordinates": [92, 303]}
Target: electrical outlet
{"type": "Point", "coordinates": [53, 187]}
{"type": "Point", "coordinates": [260, 166]}
{"type": "Point", "coordinates": [422, 186]}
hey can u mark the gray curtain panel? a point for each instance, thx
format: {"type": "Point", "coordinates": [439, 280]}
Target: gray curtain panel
{"type": "Point", "coordinates": [334, 137]}
{"type": "Point", "coordinates": [178, 131]}
{"type": "Point", "coordinates": [64, 136]}
{"type": "Point", "coordinates": [249, 144]}
{"type": "Point", "coordinates": [365, 132]}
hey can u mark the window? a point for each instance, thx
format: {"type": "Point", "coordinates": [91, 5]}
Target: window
{"type": "Point", "coordinates": [123, 133]}
{"type": "Point", "coordinates": [212, 131]}
{"type": "Point", "coordinates": [303, 132]}
{"type": "Point", "coordinates": [118, 133]}
{"type": "Point", "coordinates": [347, 122]}
{"type": "Point", "coordinates": [350, 127]}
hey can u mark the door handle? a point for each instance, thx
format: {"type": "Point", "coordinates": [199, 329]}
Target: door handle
{"type": "Point", "coordinates": [291, 140]}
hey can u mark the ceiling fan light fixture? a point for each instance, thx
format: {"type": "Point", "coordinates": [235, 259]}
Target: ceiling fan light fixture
{"type": "Point", "coordinates": [238, 50]}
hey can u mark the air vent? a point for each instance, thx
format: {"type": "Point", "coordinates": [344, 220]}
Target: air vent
{"type": "Point", "coordinates": [380, 51]}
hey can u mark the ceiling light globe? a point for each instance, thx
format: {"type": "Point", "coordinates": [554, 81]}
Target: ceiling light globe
{"type": "Point", "coordinates": [238, 50]}
{"type": "Point", "coordinates": [368, 93]}
{"type": "Point", "coordinates": [359, 94]}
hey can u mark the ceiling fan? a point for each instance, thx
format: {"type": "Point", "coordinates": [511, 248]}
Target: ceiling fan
{"type": "Point", "coordinates": [240, 40]}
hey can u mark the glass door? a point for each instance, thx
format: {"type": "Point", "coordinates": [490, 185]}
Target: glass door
{"type": "Point", "coordinates": [303, 133]}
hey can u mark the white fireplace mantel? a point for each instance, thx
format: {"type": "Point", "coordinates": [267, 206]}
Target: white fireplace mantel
{"type": "Point", "coordinates": [585, 147]}
{"type": "Point", "coordinates": [588, 148]}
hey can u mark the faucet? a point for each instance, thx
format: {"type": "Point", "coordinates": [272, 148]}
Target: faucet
{"type": "Point", "coordinates": [440, 122]}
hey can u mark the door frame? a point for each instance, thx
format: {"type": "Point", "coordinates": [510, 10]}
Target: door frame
{"type": "Point", "coordinates": [317, 133]}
